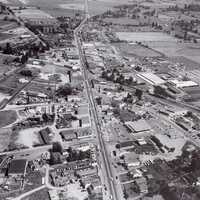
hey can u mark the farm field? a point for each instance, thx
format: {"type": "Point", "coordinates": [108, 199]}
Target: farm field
{"type": "Point", "coordinates": [189, 51]}
{"type": "Point", "coordinates": [145, 37]}
{"type": "Point", "coordinates": [164, 43]}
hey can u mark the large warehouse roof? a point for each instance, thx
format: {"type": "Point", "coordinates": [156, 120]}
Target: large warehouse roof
{"type": "Point", "coordinates": [182, 84]}
{"type": "Point", "coordinates": [151, 78]}
{"type": "Point", "coordinates": [138, 126]}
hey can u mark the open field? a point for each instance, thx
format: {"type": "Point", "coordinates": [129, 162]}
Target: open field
{"type": "Point", "coordinates": [171, 49]}
{"type": "Point", "coordinates": [33, 13]}
{"type": "Point", "coordinates": [42, 194]}
{"type": "Point", "coordinates": [10, 84]}
{"type": "Point", "coordinates": [95, 6]}
{"type": "Point", "coordinates": [7, 117]}
{"type": "Point", "coordinates": [189, 64]}
{"type": "Point", "coordinates": [28, 137]}
{"type": "Point", "coordinates": [39, 87]}
{"type": "Point", "coordinates": [136, 50]}
{"type": "Point", "coordinates": [164, 43]}
{"type": "Point", "coordinates": [145, 37]}
{"type": "Point", "coordinates": [4, 138]}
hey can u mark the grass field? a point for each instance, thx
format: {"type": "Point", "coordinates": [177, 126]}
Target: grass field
{"type": "Point", "coordinates": [136, 50]}
{"type": "Point", "coordinates": [7, 117]}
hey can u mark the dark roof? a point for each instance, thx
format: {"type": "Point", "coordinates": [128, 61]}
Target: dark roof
{"type": "Point", "coordinates": [67, 135]}
{"type": "Point", "coordinates": [45, 135]}
{"type": "Point", "coordinates": [126, 144]}
{"type": "Point", "coordinates": [17, 166]}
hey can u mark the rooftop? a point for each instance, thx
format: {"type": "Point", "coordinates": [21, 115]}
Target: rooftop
{"type": "Point", "coordinates": [151, 78]}
{"type": "Point", "coordinates": [138, 126]}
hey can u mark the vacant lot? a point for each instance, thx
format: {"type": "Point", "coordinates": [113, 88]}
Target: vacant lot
{"type": "Point", "coordinates": [10, 84]}
{"type": "Point", "coordinates": [7, 117]}
{"type": "Point", "coordinates": [4, 138]}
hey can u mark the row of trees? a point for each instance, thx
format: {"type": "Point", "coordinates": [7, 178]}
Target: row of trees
{"type": "Point", "coordinates": [33, 50]}
{"type": "Point", "coordinates": [117, 77]}
{"type": "Point", "coordinates": [129, 98]}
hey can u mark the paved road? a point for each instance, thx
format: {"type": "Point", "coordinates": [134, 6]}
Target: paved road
{"type": "Point", "coordinates": [104, 153]}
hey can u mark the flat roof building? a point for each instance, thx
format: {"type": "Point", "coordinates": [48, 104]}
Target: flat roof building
{"type": "Point", "coordinates": [151, 78]}
{"type": "Point", "coordinates": [183, 84]}
{"type": "Point", "coordinates": [138, 126]}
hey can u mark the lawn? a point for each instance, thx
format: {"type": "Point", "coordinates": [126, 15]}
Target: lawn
{"type": "Point", "coordinates": [7, 117]}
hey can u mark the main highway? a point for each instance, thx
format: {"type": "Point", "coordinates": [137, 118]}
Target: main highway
{"type": "Point", "coordinates": [106, 165]}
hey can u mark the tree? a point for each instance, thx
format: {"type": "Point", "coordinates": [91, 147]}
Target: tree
{"type": "Point", "coordinates": [64, 90]}
{"type": "Point", "coordinates": [125, 194]}
{"type": "Point", "coordinates": [161, 91]}
{"type": "Point", "coordinates": [117, 146]}
{"type": "Point", "coordinates": [55, 158]}
{"type": "Point", "coordinates": [57, 147]}
{"type": "Point", "coordinates": [45, 117]}
{"type": "Point", "coordinates": [138, 94]}
{"type": "Point", "coordinates": [104, 74]}
{"type": "Point", "coordinates": [27, 73]}
{"type": "Point", "coordinates": [129, 81]}
{"type": "Point", "coordinates": [138, 68]}
{"type": "Point", "coordinates": [8, 49]}
{"type": "Point", "coordinates": [99, 100]}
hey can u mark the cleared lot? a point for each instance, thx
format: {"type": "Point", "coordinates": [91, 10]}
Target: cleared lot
{"type": "Point", "coordinates": [7, 117]}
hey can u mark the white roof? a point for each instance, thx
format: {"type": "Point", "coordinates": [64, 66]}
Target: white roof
{"type": "Point", "coordinates": [151, 78]}
{"type": "Point", "coordinates": [181, 84]}
{"type": "Point", "coordinates": [138, 126]}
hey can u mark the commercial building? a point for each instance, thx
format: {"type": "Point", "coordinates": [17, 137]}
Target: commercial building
{"type": "Point", "coordinates": [132, 159]}
{"type": "Point", "coordinates": [183, 84]}
{"type": "Point", "coordinates": [151, 78]}
{"type": "Point", "coordinates": [68, 135]}
{"type": "Point", "coordinates": [138, 126]}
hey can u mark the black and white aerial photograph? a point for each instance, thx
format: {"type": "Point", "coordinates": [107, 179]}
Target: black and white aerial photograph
{"type": "Point", "coordinates": [99, 99]}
